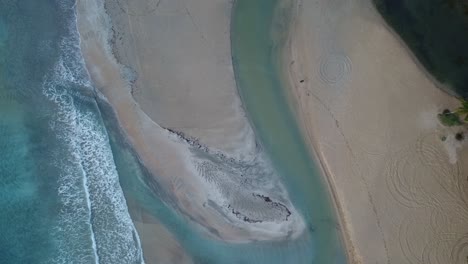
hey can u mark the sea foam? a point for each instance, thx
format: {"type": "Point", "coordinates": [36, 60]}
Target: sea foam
{"type": "Point", "coordinates": [93, 223]}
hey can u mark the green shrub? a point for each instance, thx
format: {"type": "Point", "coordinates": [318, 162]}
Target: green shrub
{"type": "Point", "coordinates": [448, 118]}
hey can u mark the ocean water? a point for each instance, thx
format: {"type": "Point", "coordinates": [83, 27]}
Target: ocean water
{"type": "Point", "coordinates": [61, 201]}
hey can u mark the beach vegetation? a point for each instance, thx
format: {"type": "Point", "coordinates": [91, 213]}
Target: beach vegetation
{"type": "Point", "coordinates": [449, 118]}
{"type": "Point", "coordinates": [455, 118]}
{"type": "Point", "coordinates": [463, 109]}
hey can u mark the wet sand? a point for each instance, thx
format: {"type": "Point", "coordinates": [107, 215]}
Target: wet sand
{"type": "Point", "coordinates": [368, 110]}
{"type": "Point", "coordinates": [167, 155]}
{"type": "Point", "coordinates": [158, 244]}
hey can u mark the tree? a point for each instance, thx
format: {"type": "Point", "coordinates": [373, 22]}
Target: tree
{"type": "Point", "coordinates": [463, 109]}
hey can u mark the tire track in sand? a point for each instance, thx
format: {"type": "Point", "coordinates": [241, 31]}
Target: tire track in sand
{"type": "Point", "coordinates": [356, 165]}
{"type": "Point", "coordinates": [420, 177]}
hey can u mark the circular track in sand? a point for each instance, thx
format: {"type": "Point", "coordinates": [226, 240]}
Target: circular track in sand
{"type": "Point", "coordinates": [334, 68]}
{"type": "Point", "coordinates": [447, 248]}
{"type": "Point", "coordinates": [459, 253]}
{"type": "Point", "coordinates": [417, 173]}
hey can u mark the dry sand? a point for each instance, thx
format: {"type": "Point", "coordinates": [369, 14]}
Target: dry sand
{"type": "Point", "coordinates": [180, 51]}
{"type": "Point", "coordinates": [165, 154]}
{"type": "Point", "coordinates": [369, 111]}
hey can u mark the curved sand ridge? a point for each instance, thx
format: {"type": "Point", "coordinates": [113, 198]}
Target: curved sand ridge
{"type": "Point", "coordinates": [181, 59]}
{"type": "Point", "coordinates": [251, 190]}
{"type": "Point", "coordinates": [234, 197]}
{"type": "Point", "coordinates": [401, 191]}
{"type": "Point", "coordinates": [247, 193]}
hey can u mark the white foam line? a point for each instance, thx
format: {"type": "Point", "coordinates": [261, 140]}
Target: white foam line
{"type": "Point", "coordinates": [135, 233]}
{"type": "Point", "coordinates": [71, 71]}
{"type": "Point", "coordinates": [88, 203]}
{"type": "Point", "coordinates": [85, 178]}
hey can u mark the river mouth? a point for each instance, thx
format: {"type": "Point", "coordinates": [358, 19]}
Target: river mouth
{"type": "Point", "coordinates": [67, 164]}
{"type": "Point", "coordinates": [257, 67]}
{"type": "Point", "coordinates": [258, 63]}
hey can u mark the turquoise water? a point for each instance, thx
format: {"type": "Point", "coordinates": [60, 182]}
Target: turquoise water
{"type": "Point", "coordinates": [60, 197]}
{"type": "Point", "coordinates": [62, 165]}
{"type": "Point", "coordinates": [259, 31]}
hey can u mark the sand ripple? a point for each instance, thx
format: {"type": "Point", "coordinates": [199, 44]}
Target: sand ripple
{"type": "Point", "coordinates": [250, 191]}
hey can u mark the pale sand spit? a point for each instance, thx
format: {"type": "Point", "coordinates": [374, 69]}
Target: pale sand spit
{"type": "Point", "coordinates": [165, 154]}
{"type": "Point", "coordinates": [369, 112]}
{"type": "Point", "coordinates": [181, 56]}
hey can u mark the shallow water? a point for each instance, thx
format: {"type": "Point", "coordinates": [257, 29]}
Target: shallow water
{"type": "Point", "coordinates": [61, 201]}
{"type": "Point", "coordinates": [259, 31]}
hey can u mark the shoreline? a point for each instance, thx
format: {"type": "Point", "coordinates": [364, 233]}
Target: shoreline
{"type": "Point", "coordinates": [299, 165]}
{"type": "Point", "coordinates": [171, 251]}
{"type": "Point", "coordinates": [319, 113]}
{"type": "Point", "coordinates": [182, 78]}
{"type": "Point", "coordinates": [148, 139]}
{"type": "Point", "coordinates": [288, 80]}
{"type": "Point", "coordinates": [441, 51]}
{"type": "Point", "coordinates": [392, 31]}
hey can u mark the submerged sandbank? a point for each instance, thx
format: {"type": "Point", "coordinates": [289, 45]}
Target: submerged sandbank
{"type": "Point", "coordinates": [206, 185]}
{"type": "Point", "coordinates": [370, 113]}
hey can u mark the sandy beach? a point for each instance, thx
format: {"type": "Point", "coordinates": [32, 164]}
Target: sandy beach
{"type": "Point", "coordinates": [366, 107]}
{"type": "Point", "coordinates": [170, 145]}
{"type": "Point", "coordinates": [369, 112]}
{"type": "Point", "coordinates": [179, 53]}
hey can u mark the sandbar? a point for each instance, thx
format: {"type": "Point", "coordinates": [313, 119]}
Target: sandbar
{"type": "Point", "coordinates": [183, 154]}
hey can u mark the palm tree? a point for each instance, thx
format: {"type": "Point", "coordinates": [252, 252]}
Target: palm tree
{"type": "Point", "coordinates": [463, 109]}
